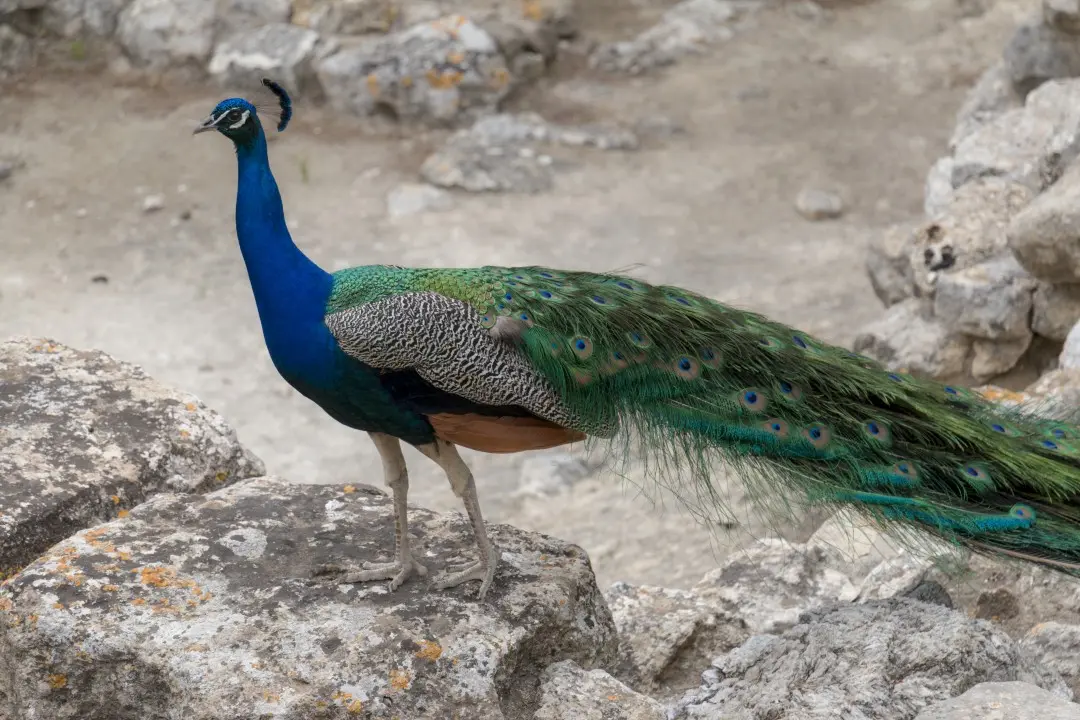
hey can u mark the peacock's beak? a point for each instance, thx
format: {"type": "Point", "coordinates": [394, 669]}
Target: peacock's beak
{"type": "Point", "coordinates": [208, 124]}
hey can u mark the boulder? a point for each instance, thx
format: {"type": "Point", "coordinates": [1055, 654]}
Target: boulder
{"type": "Point", "coordinates": [667, 636]}
{"type": "Point", "coordinates": [84, 438]}
{"type": "Point", "coordinates": [1011, 700]}
{"type": "Point", "coordinates": [907, 338]}
{"type": "Point", "coordinates": [216, 606]}
{"type": "Point", "coordinates": [1062, 15]}
{"type": "Point", "coordinates": [1046, 234]}
{"type": "Point", "coordinates": [282, 51]}
{"type": "Point", "coordinates": [773, 582]}
{"type": "Point", "coordinates": [570, 692]}
{"type": "Point", "coordinates": [992, 96]}
{"type": "Point", "coordinates": [888, 264]}
{"type": "Point", "coordinates": [16, 51]}
{"type": "Point", "coordinates": [440, 72]}
{"type": "Point", "coordinates": [886, 659]}
{"type": "Point", "coordinates": [1055, 309]}
{"type": "Point", "coordinates": [991, 300]}
{"type": "Point", "coordinates": [234, 16]}
{"type": "Point", "coordinates": [1057, 646]}
{"type": "Point", "coordinates": [80, 18]}
{"type": "Point", "coordinates": [158, 34]}
{"type": "Point", "coordinates": [1037, 53]}
{"type": "Point", "coordinates": [1029, 145]}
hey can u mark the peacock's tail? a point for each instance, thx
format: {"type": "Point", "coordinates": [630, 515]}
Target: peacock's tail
{"type": "Point", "coordinates": [690, 380]}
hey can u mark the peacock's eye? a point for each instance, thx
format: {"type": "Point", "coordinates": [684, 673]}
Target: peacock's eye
{"type": "Point", "coordinates": [233, 116]}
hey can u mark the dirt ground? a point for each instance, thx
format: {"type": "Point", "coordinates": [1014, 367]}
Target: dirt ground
{"type": "Point", "coordinates": [862, 100]}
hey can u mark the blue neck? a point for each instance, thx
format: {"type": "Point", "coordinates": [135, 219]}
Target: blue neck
{"type": "Point", "coordinates": [290, 290]}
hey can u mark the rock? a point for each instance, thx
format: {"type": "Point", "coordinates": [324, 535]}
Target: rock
{"type": "Point", "coordinates": [145, 612]}
{"type": "Point", "coordinates": [346, 17]}
{"type": "Point", "coordinates": [1055, 309]}
{"type": "Point", "coordinates": [498, 153]}
{"type": "Point", "coordinates": [773, 582]}
{"type": "Point", "coordinates": [153, 203]}
{"type": "Point", "coordinates": [163, 33]}
{"type": "Point", "coordinates": [1029, 145]}
{"type": "Point", "coordinates": [1037, 53]}
{"type": "Point", "coordinates": [1059, 390]}
{"type": "Point", "coordinates": [888, 264]}
{"type": "Point", "coordinates": [440, 72]}
{"type": "Point", "coordinates": [234, 16]}
{"type": "Point", "coordinates": [991, 97]}
{"type": "Point", "coordinates": [279, 50]}
{"type": "Point", "coordinates": [570, 692]}
{"type": "Point", "coordinates": [544, 475]}
{"type": "Point", "coordinates": [818, 204]}
{"type": "Point", "coordinates": [1046, 234]}
{"type": "Point", "coordinates": [991, 300]}
{"type": "Point", "coordinates": [686, 28]}
{"type": "Point", "coordinates": [1057, 646]}
{"type": "Point", "coordinates": [81, 18]}
{"type": "Point", "coordinates": [887, 659]}
{"type": "Point", "coordinates": [938, 189]}
{"type": "Point", "coordinates": [997, 605]}
{"type": "Point", "coordinates": [897, 576]}
{"type": "Point", "coordinates": [84, 437]}
{"type": "Point", "coordinates": [413, 198]}
{"type": "Point", "coordinates": [1004, 700]}
{"type": "Point", "coordinates": [16, 51]}
{"type": "Point", "coordinates": [857, 543]}
{"type": "Point", "coordinates": [1062, 15]}
{"type": "Point", "coordinates": [667, 636]}
{"type": "Point", "coordinates": [990, 358]}
{"type": "Point", "coordinates": [969, 230]}
{"type": "Point", "coordinates": [7, 166]}
{"type": "Point", "coordinates": [1070, 352]}
{"type": "Point", "coordinates": [932, 593]}
{"type": "Point", "coordinates": [905, 338]}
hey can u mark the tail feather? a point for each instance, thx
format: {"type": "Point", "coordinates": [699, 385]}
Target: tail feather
{"type": "Point", "coordinates": [688, 380]}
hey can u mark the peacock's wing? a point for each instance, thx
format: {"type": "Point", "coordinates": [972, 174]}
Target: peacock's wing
{"type": "Point", "coordinates": [687, 378]}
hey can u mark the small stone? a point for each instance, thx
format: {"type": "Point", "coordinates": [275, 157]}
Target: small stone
{"type": "Point", "coordinates": [153, 203]}
{"type": "Point", "coordinates": [567, 691]}
{"type": "Point", "coordinates": [413, 198]}
{"type": "Point", "coordinates": [895, 576]}
{"type": "Point", "coordinates": [100, 279]}
{"type": "Point", "coordinates": [817, 204]}
{"type": "Point", "coordinates": [81, 213]}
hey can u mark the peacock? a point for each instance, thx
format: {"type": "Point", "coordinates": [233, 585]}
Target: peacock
{"type": "Point", "coordinates": [513, 359]}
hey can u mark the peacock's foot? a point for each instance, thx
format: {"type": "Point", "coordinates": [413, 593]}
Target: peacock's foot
{"type": "Point", "coordinates": [396, 572]}
{"type": "Point", "coordinates": [482, 570]}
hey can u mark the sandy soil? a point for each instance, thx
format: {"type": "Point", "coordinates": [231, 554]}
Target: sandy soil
{"type": "Point", "coordinates": [863, 101]}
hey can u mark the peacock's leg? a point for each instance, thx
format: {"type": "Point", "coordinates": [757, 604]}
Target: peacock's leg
{"type": "Point", "coordinates": [461, 480]}
{"type": "Point", "coordinates": [397, 477]}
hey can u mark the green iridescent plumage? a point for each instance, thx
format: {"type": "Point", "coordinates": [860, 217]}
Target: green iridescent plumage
{"type": "Point", "coordinates": [687, 381]}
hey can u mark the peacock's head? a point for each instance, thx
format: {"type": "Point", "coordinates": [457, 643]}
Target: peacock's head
{"type": "Point", "coordinates": [238, 119]}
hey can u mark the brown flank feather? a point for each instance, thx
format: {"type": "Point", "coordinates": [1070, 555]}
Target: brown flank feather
{"type": "Point", "coordinates": [501, 434]}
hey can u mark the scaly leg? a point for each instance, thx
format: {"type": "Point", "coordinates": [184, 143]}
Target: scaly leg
{"type": "Point", "coordinates": [461, 480]}
{"type": "Point", "coordinates": [397, 477]}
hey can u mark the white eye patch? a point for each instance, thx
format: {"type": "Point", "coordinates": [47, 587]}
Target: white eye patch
{"type": "Point", "coordinates": [240, 123]}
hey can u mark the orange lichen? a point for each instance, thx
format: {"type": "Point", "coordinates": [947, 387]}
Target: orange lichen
{"type": "Point", "coordinates": [271, 697]}
{"type": "Point", "coordinates": [58, 605]}
{"type": "Point", "coordinates": [138, 601]}
{"type": "Point", "coordinates": [157, 576]}
{"type": "Point", "coordinates": [373, 85]}
{"type": "Point", "coordinates": [457, 57]}
{"type": "Point", "coordinates": [57, 682]}
{"type": "Point", "coordinates": [429, 650]}
{"type": "Point", "coordinates": [122, 514]}
{"type": "Point", "coordinates": [124, 556]}
{"type": "Point", "coordinates": [115, 499]}
{"type": "Point", "coordinates": [500, 77]}
{"type": "Point", "coordinates": [355, 707]}
{"type": "Point", "coordinates": [191, 407]}
{"type": "Point", "coordinates": [110, 588]}
{"type": "Point", "coordinates": [222, 476]}
{"type": "Point", "coordinates": [6, 605]}
{"type": "Point", "coordinates": [613, 698]}
{"type": "Point", "coordinates": [185, 434]}
{"type": "Point", "coordinates": [348, 489]}
{"type": "Point", "coordinates": [400, 679]}
{"type": "Point", "coordinates": [532, 10]}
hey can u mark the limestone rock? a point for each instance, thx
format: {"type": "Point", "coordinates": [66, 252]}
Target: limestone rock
{"type": "Point", "coordinates": [234, 16]}
{"type": "Point", "coordinates": [1057, 646]}
{"type": "Point", "coordinates": [773, 582]}
{"type": "Point", "coordinates": [75, 18]}
{"type": "Point", "coordinates": [1037, 53]}
{"type": "Point", "coordinates": [346, 17]}
{"type": "Point", "coordinates": [667, 636]}
{"type": "Point", "coordinates": [440, 72]}
{"type": "Point", "coordinates": [500, 153]}
{"type": "Point", "coordinates": [991, 300]}
{"type": "Point", "coordinates": [1029, 145]}
{"type": "Point", "coordinates": [570, 692]}
{"type": "Point", "coordinates": [888, 264]}
{"type": "Point", "coordinates": [887, 659]}
{"type": "Point", "coordinates": [1046, 234]}
{"type": "Point", "coordinates": [413, 198]}
{"type": "Point", "coordinates": [686, 28]}
{"type": "Point", "coordinates": [992, 96]}
{"type": "Point", "coordinates": [990, 358]}
{"type": "Point", "coordinates": [1063, 15]}
{"type": "Point", "coordinates": [906, 338]}
{"type": "Point", "coordinates": [84, 438]}
{"type": "Point", "coordinates": [16, 51]}
{"type": "Point", "coordinates": [1055, 309]}
{"type": "Point", "coordinates": [1059, 390]}
{"type": "Point", "coordinates": [1070, 353]}
{"type": "Point", "coordinates": [856, 545]}
{"type": "Point", "coordinates": [938, 189]}
{"type": "Point", "coordinates": [819, 204]}
{"type": "Point", "coordinates": [162, 33]}
{"type": "Point", "coordinates": [1011, 700]}
{"type": "Point", "coordinates": [210, 606]}
{"type": "Point", "coordinates": [281, 51]}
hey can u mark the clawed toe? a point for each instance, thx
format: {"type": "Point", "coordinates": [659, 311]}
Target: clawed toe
{"type": "Point", "coordinates": [479, 570]}
{"type": "Point", "coordinates": [396, 572]}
